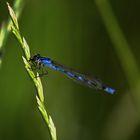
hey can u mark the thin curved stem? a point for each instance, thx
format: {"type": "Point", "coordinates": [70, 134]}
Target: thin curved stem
{"type": "Point", "coordinates": [40, 96]}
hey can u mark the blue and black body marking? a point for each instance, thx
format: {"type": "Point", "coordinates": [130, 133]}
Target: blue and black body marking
{"type": "Point", "coordinates": [40, 62]}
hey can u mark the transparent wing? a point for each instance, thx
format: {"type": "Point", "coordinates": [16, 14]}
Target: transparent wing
{"type": "Point", "coordinates": [80, 78]}
{"type": "Point", "coordinates": [75, 75]}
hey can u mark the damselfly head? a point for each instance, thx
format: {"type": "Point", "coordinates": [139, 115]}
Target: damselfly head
{"type": "Point", "coordinates": [35, 58]}
{"type": "Point", "coordinates": [35, 61]}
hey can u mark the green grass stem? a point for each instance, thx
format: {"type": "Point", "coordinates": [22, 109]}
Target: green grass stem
{"type": "Point", "coordinates": [40, 96]}
{"type": "Point", "coordinates": [122, 48]}
{"type": "Point", "coordinates": [5, 29]}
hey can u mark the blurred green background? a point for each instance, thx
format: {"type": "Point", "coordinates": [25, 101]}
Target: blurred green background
{"type": "Point", "coordinates": [71, 32]}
